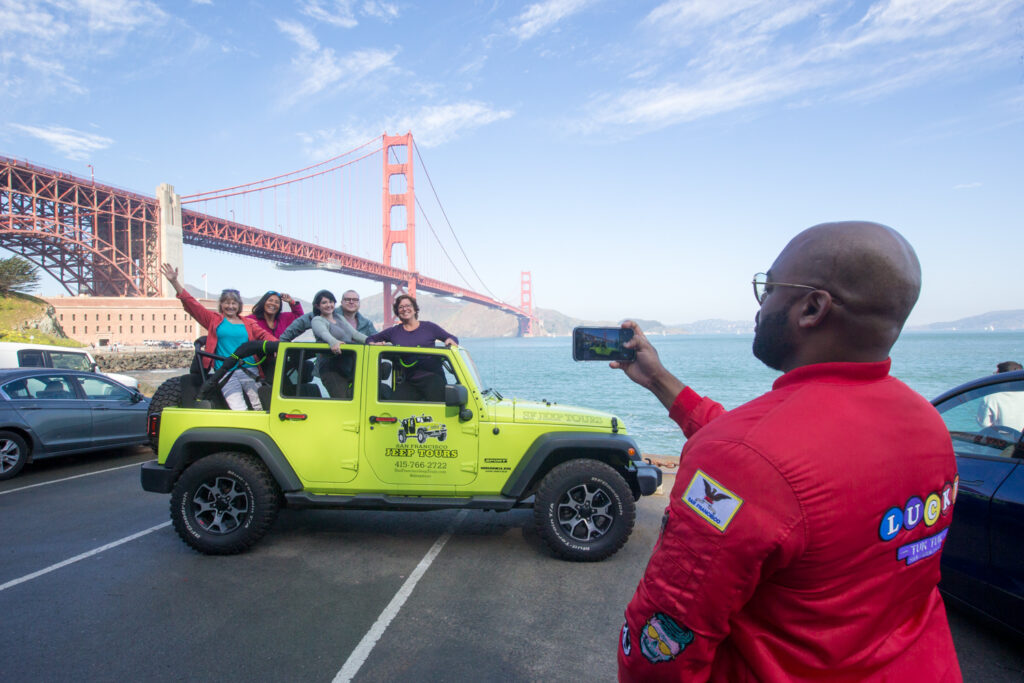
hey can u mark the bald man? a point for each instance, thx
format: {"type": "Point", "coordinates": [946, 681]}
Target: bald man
{"type": "Point", "coordinates": [803, 533]}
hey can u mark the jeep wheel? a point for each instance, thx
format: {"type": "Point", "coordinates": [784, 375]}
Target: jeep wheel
{"type": "Point", "coordinates": [584, 510]}
{"type": "Point", "coordinates": [167, 395]}
{"type": "Point", "coordinates": [421, 435]}
{"type": "Point", "coordinates": [442, 436]}
{"type": "Point", "coordinates": [13, 454]}
{"type": "Point", "coordinates": [401, 436]}
{"type": "Point", "coordinates": [224, 502]}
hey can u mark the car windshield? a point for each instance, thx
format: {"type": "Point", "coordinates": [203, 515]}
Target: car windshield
{"type": "Point", "coordinates": [987, 420]}
{"type": "Point", "coordinates": [70, 361]}
{"type": "Point", "coordinates": [468, 360]}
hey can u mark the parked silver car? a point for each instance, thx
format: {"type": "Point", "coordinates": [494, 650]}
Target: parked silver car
{"type": "Point", "coordinates": [47, 411]}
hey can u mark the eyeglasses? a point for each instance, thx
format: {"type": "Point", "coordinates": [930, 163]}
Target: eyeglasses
{"type": "Point", "coordinates": [350, 299]}
{"type": "Point", "coordinates": [406, 308]}
{"type": "Point", "coordinates": [761, 285]}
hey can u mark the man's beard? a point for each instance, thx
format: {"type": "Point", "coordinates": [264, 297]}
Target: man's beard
{"type": "Point", "coordinates": [773, 344]}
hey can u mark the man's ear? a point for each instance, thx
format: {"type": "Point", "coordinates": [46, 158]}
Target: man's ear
{"type": "Point", "coordinates": [814, 308]}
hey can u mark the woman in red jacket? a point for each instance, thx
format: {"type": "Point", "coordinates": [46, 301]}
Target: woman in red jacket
{"type": "Point", "coordinates": [267, 312]}
{"type": "Point", "coordinates": [226, 330]}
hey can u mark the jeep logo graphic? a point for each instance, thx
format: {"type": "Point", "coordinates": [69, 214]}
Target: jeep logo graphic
{"type": "Point", "coordinates": [421, 428]}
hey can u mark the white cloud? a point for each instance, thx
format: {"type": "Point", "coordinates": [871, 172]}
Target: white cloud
{"type": "Point", "coordinates": [432, 126]}
{"type": "Point", "coordinates": [119, 15]}
{"type": "Point", "coordinates": [967, 186]}
{"type": "Point", "coordinates": [711, 56]}
{"type": "Point", "coordinates": [336, 13]}
{"type": "Point", "coordinates": [436, 125]}
{"type": "Point", "coordinates": [543, 15]}
{"type": "Point", "coordinates": [385, 11]}
{"type": "Point", "coordinates": [72, 143]}
{"type": "Point", "coordinates": [320, 68]}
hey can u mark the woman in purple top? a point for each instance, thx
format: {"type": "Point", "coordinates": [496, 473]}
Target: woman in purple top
{"type": "Point", "coordinates": [267, 312]}
{"type": "Point", "coordinates": [424, 379]}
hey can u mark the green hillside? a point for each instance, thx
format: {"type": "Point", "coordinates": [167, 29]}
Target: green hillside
{"type": "Point", "coordinates": [16, 312]}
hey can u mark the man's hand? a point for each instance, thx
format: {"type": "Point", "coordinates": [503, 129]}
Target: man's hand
{"type": "Point", "coordinates": [647, 370]}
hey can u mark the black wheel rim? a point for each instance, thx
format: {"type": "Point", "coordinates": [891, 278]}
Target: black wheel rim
{"type": "Point", "coordinates": [9, 455]}
{"type": "Point", "coordinates": [585, 512]}
{"type": "Point", "coordinates": [220, 505]}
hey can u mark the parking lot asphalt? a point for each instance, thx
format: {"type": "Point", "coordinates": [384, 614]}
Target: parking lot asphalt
{"type": "Point", "coordinates": [96, 585]}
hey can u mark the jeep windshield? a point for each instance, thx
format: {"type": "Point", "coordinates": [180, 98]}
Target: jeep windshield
{"type": "Point", "coordinates": [468, 360]}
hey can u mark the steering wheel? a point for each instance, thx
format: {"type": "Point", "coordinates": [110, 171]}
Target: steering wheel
{"type": "Point", "coordinates": [1002, 432]}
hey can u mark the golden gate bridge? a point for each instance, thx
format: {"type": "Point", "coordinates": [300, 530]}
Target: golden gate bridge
{"type": "Point", "coordinates": [100, 240]}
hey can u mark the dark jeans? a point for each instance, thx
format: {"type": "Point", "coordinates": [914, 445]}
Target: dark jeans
{"type": "Point", "coordinates": [426, 386]}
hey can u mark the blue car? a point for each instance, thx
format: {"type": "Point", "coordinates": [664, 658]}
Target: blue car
{"type": "Point", "coordinates": [983, 557]}
{"type": "Point", "coordinates": [49, 411]}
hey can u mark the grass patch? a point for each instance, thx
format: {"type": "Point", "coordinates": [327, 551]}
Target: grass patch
{"type": "Point", "coordinates": [15, 310]}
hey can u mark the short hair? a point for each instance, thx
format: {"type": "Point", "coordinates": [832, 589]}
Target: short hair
{"type": "Point", "coordinates": [412, 300]}
{"type": "Point", "coordinates": [230, 294]}
{"type": "Point", "coordinates": [1009, 366]}
{"type": "Point", "coordinates": [320, 296]}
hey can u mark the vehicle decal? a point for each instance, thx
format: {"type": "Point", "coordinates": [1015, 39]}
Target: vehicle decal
{"type": "Point", "coordinates": [545, 416]}
{"type": "Point", "coordinates": [712, 501]}
{"type": "Point", "coordinates": [662, 639]}
{"type": "Point", "coordinates": [421, 428]}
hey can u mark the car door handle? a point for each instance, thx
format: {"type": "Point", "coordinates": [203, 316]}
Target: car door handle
{"type": "Point", "coordinates": [291, 416]}
{"type": "Point", "coordinates": [389, 420]}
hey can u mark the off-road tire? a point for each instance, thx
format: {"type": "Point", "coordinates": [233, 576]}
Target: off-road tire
{"type": "Point", "coordinates": [401, 435]}
{"type": "Point", "coordinates": [167, 395]}
{"type": "Point", "coordinates": [584, 510]}
{"type": "Point", "coordinates": [421, 435]}
{"type": "Point", "coordinates": [224, 502]}
{"type": "Point", "coordinates": [14, 454]}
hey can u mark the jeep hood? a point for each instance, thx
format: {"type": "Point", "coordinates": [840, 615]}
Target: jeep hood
{"type": "Point", "coordinates": [537, 412]}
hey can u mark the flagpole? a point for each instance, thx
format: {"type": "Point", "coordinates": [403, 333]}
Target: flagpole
{"type": "Point", "coordinates": [206, 293]}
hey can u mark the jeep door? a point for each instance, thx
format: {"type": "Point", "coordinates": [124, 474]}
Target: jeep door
{"type": "Point", "coordinates": [413, 441]}
{"type": "Point", "coordinates": [314, 412]}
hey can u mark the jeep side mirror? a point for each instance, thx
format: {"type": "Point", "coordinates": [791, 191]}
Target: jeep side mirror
{"type": "Point", "coordinates": [458, 395]}
{"type": "Point", "coordinates": [455, 395]}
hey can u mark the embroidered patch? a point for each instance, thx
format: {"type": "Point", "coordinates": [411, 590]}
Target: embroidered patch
{"type": "Point", "coordinates": [919, 550]}
{"type": "Point", "coordinates": [662, 639]}
{"type": "Point", "coordinates": [709, 499]}
{"type": "Point", "coordinates": [626, 646]}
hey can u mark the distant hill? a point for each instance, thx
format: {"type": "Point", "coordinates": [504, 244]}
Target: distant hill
{"type": "Point", "coordinates": [994, 321]}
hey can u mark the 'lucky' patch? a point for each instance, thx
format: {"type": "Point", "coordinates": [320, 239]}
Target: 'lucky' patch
{"type": "Point", "coordinates": [712, 501]}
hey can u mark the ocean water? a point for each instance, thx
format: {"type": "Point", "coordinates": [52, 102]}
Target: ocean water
{"type": "Point", "coordinates": [719, 366]}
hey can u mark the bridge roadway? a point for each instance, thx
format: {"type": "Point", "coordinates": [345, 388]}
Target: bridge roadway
{"type": "Point", "coordinates": [493, 605]}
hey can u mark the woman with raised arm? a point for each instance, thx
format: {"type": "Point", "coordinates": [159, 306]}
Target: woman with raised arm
{"type": "Point", "coordinates": [268, 315]}
{"type": "Point", "coordinates": [226, 330]}
{"type": "Point", "coordinates": [424, 378]}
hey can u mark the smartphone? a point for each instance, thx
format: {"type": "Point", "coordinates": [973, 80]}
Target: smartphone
{"type": "Point", "coordinates": [602, 343]}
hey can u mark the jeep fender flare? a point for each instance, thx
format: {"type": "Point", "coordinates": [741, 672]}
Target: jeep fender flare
{"type": "Point", "coordinates": [198, 442]}
{"type": "Point", "coordinates": [544, 453]}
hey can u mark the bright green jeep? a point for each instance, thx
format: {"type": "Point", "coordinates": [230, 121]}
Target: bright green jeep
{"type": "Point", "coordinates": [377, 444]}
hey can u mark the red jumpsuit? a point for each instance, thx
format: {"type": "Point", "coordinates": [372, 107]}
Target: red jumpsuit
{"type": "Point", "coordinates": [802, 538]}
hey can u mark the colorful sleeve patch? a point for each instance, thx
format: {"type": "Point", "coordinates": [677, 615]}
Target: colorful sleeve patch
{"type": "Point", "coordinates": [627, 647]}
{"type": "Point", "coordinates": [662, 639]}
{"type": "Point", "coordinates": [712, 501]}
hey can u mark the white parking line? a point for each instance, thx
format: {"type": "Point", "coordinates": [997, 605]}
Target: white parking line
{"type": "Point", "coordinates": [362, 651]}
{"type": "Point", "coordinates": [57, 481]}
{"type": "Point", "coordinates": [76, 558]}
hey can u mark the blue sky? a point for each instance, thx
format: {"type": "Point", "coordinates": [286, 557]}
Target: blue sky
{"type": "Point", "coordinates": [641, 159]}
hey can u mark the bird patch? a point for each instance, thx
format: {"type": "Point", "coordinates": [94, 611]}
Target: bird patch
{"type": "Point", "coordinates": [712, 501]}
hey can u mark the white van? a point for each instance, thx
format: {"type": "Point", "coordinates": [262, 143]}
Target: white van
{"type": "Point", "coordinates": [15, 355]}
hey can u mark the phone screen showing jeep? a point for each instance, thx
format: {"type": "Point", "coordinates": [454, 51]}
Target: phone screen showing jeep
{"type": "Point", "coordinates": [602, 343]}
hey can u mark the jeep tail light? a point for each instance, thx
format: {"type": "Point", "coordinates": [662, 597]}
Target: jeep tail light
{"type": "Point", "coordinates": [153, 425]}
